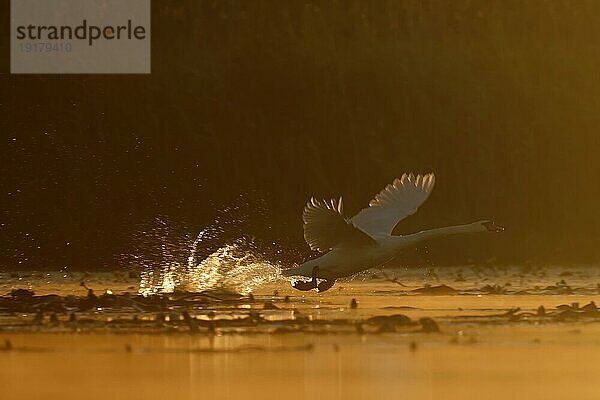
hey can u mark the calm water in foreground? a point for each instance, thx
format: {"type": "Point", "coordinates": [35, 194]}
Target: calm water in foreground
{"type": "Point", "coordinates": [316, 346]}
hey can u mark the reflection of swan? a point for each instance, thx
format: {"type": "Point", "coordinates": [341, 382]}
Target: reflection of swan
{"type": "Point", "coordinates": [365, 240]}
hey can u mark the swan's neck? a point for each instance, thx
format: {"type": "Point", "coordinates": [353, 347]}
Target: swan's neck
{"type": "Point", "coordinates": [449, 230]}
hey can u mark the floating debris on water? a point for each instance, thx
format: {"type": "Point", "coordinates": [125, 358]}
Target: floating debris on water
{"type": "Point", "coordinates": [435, 290]}
{"type": "Point", "coordinates": [429, 325]}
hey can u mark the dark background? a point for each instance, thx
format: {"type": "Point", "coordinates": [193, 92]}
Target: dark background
{"type": "Point", "coordinates": [275, 101]}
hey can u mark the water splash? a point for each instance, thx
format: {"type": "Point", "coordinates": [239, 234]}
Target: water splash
{"type": "Point", "coordinates": [233, 267]}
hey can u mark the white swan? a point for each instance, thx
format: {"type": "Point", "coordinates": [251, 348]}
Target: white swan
{"type": "Point", "coordinates": [365, 240]}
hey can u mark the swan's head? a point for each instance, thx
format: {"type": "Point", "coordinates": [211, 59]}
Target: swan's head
{"type": "Point", "coordinates": [491, 226]}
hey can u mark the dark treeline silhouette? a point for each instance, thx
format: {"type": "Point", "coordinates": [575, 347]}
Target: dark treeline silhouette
{"type": "Point", "coordinates": [279, 101]}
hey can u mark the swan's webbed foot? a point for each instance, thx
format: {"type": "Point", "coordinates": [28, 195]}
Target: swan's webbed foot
{"type": "Point", "coordinates": [312, 284]}
{"type": "Point", "coordinates": [325, 285]}
{"type": "Point", "coordinates": [305, 286]}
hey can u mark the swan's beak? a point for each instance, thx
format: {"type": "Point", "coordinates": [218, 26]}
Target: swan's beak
{"type": "Point", "coordinates": [492, 227]}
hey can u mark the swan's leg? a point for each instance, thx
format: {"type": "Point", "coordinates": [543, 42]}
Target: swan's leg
{"type": "Point", "coordinates": [325, 285]}
{"type": "Point", "coordinates": [312, 284]}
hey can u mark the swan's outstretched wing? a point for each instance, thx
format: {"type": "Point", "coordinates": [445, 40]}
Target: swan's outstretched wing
{"type": "Point", "coordinates": [397, 201]}
{"type": "Point", "coordinates": [326, 228]}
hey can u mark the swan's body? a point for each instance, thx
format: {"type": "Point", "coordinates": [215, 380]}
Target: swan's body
{"type": "Point", "coordinates": [365, 240]}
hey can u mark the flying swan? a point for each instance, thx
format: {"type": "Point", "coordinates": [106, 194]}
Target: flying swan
{"type": "Point", "coordinates": [365, 240]}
